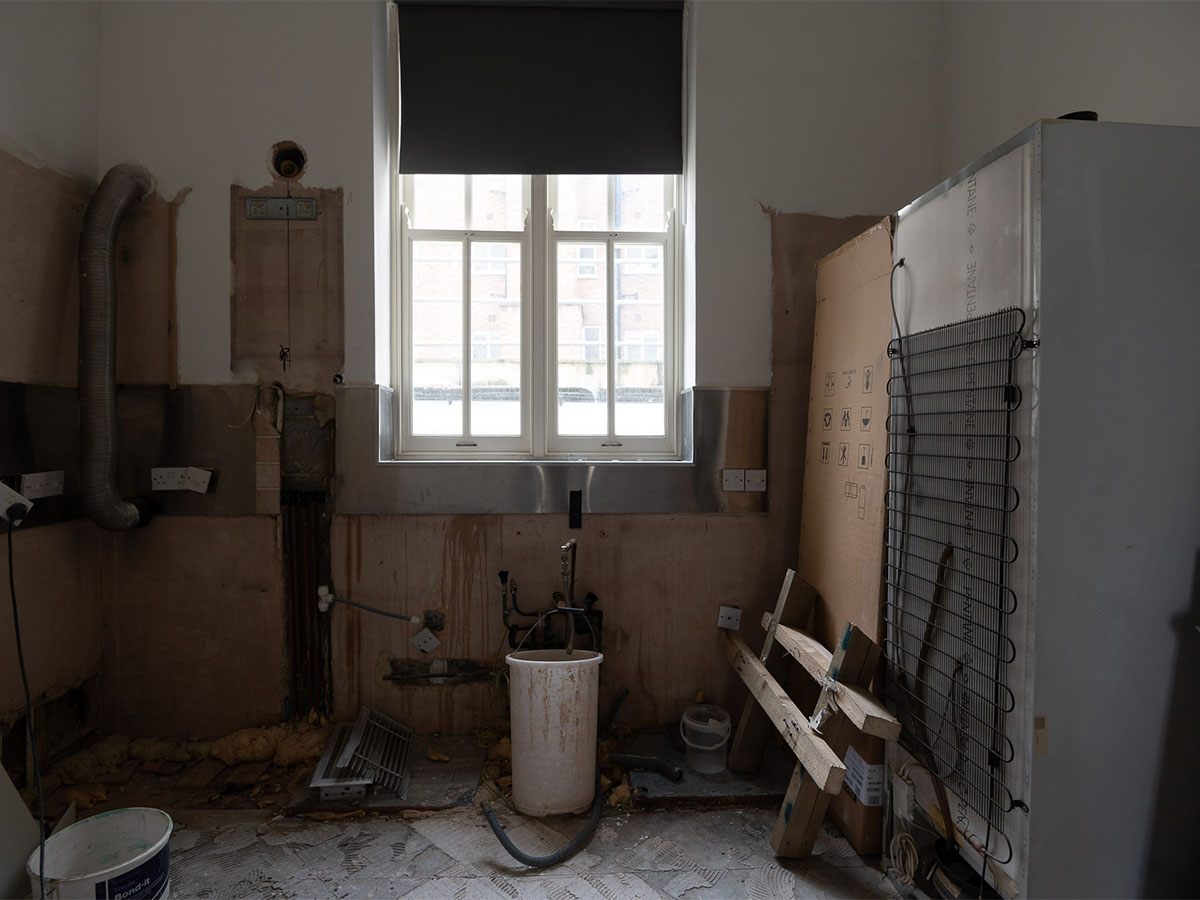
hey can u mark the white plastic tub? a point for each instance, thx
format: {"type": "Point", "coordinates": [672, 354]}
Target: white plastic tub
{"type": "Point", "coordinates": [554, 698]}
{"type": "Point", "coordinates": [122, 854]}
{"type": "Point", "coordinates": [705, 729]}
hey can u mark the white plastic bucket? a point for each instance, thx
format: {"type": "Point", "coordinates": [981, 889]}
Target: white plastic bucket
{"type": "Point", "coordinates": [705, 730]}
{"type": "Point", "coordinates": [553, 696]}
{"type": "Point", "coordinates": [124, 854]}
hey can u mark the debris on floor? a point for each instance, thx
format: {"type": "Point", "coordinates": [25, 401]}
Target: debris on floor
{"type": "Point", "coordinates": [633, 855]}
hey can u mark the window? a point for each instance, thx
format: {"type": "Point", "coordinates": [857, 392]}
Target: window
{"type": "Point", "coordinates": [538, 316]}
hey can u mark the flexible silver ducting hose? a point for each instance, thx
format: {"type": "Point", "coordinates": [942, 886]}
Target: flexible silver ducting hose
{"type": "Point", "coordinates": [98, 350]}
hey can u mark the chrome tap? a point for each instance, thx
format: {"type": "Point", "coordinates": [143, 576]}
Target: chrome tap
{"type": "Point", "coordinates": [567, 556]}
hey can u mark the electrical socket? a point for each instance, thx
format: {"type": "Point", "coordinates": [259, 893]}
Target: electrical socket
{"type": "Point", "coordinates": [733, 479]}
{"type": "Point", "coordinates": [169, 478]}
{"type": "Point", "coordinates": [756, 479]}
{"type": "Point", "coordinates": [425, 641]}
{"type": "Point", "coordinates": [198, 479]}
{"type": "Point", "coordinates": [8, 497]}
{"type": "Point", "coordinates": [730, 618]}
{"type": "Point", "coordinates": [43, 484]}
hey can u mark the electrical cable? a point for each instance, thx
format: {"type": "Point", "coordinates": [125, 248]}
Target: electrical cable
{"type": "Point", "coordinates": [904, 858]}
{"type": "Point", "coordinates": [37, 773]}
{"type": "Point", "coordinates": [404, 617]}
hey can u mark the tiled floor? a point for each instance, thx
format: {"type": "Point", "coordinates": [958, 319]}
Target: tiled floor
{"type": "Point", "coordinates": [453, 854]}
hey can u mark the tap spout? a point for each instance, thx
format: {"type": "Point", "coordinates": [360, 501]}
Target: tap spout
{"type": "Point", "coordinates": [567, 557]}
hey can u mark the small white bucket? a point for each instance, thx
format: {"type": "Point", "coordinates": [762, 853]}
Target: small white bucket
{"type": "Point", "coordinates": [705, 730]}
{"type": "Point", "coordinates": [124, 854]}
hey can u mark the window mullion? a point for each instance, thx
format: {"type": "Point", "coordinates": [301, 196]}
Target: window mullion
{"type": "Point", "coordinates": [612, 334]}
{"type": "Point", "coordinates": [465, 375]}
{"type": "Point", "coordinates": [541, 350]}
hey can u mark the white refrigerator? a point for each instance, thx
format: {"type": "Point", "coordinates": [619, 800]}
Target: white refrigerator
{"type": "Point", "coordinates": [1042, 623]}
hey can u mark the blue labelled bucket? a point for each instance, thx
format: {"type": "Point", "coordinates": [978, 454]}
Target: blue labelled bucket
{"type": "Point", "coordinates": [124, 854]}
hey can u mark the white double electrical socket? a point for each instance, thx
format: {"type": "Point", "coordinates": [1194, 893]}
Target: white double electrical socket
{"type": "Point", "coordinates": [180, 478]}
{"type": "Point", "coordinates": [43, 484]}
{"type": "Point", "coordinates": [744, 480]}
{"type": "Point", "coordinates": [8, 497]}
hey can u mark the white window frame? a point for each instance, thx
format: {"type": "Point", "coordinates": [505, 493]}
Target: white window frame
{"type": "Point", "coordinates": [539, 409]}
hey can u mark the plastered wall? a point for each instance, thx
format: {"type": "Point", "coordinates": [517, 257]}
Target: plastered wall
{"type": "Point", "coordinates": [49, 64]}
{"type": "Point", "coordinates": [827, 108]}
{"type": "Point", "coordinates": [1006, 64]}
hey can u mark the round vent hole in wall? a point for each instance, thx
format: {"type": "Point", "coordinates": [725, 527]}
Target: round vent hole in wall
{"type": "Point", "coordinates": [288, 160]}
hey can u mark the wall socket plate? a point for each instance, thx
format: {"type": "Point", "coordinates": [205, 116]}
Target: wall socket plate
{"type": "Point", "coordinates": [425, 641]}
{"type": "Point", "coordinates": [730, 618]}
{"type": "Point", "coordinates": [168, 478]}
{"type": "Point", "coordinates": [43, 484]}
{"type": "Point", "coordinates": [756, 479]}
{"type": "Point", "coordinates": [180, 478]}
{"type": "Point", "coordinates": [733, 479]}
{"type": "Point", "coordinates": [8, 497]}
{"type": "Point", "coordinates": [198, 479]}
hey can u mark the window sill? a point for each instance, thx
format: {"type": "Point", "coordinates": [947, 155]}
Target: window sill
{"type": "Point", "coordinates": [367, 482]}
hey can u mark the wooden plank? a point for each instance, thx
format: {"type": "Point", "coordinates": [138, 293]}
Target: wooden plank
{"type": "Point", "coordinates": [803, 810]}
{"type": "Point", "coordinates": [802, 800]}
{"type": "Point", "coordinates": [862, 707]}
{"type": "Point", "coordinates": [753, 727]}
{"type": "Point", "coordinates": [822, 765]}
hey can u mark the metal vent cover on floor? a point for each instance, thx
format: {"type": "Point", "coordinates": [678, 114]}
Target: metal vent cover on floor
{"type": "Point", "coordinates": [332, 780]}
{"type": "Point", "coordinates": [952, 395]}
{"type": "Point", "coordinates": [379, 748]}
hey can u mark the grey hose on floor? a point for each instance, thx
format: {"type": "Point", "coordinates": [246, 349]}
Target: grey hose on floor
{"type": "Point", "coordinates": [572, 847]}
{"type": "Point", "coordinates": [98, 350]}
{"type": "Point", "coordinates": [576, 843]}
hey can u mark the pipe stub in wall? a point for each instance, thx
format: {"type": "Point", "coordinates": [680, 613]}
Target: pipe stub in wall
{"type": "Point", "coordinates": [288, 160]}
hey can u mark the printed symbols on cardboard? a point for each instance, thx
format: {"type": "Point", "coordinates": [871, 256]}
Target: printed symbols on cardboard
{"type": "Point", "coordinates": [827, 420]}
{"type": "Point", "coordinates": [864, 456]}
{"type": "Point", "coordinates": [868, 380]}
{"type": "Point", "coordinates": [824, 451]}
{"type": "Point", "coordinates": [863, 780]}
{"type": "Point", "coordinates": [864, 419]}
{"type": "Point", "coordinates": [845, 418]}
{"type": "Point", "coordinates": [843, 454]}
{"type": "Point", "coordinates": [830, 383]}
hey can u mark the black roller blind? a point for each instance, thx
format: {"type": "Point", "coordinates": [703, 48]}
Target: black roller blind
{"type": "Point", "coordinates": [539, 88]}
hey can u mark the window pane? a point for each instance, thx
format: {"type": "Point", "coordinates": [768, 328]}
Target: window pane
{"type": "Point", "coordinates": [437, 337]}
{"type": "Point", "coordinates": [582, 203]}
{"type": "Point", "coordinates": [495, 338]}
{"type": "Point", "coordinates": [497, 202]}
{"type": "Point", "coordinates": [582, 339]}
{"type": "Point", "coordinates": [439, 201]}
{"type": "Point", "coordinates": [638, 291]}
{"type": "Point", "coordinates": [638, 203]}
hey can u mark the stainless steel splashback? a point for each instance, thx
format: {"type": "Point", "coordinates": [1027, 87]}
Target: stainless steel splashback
{"type": "Point", "coordinates": [367, 481]}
